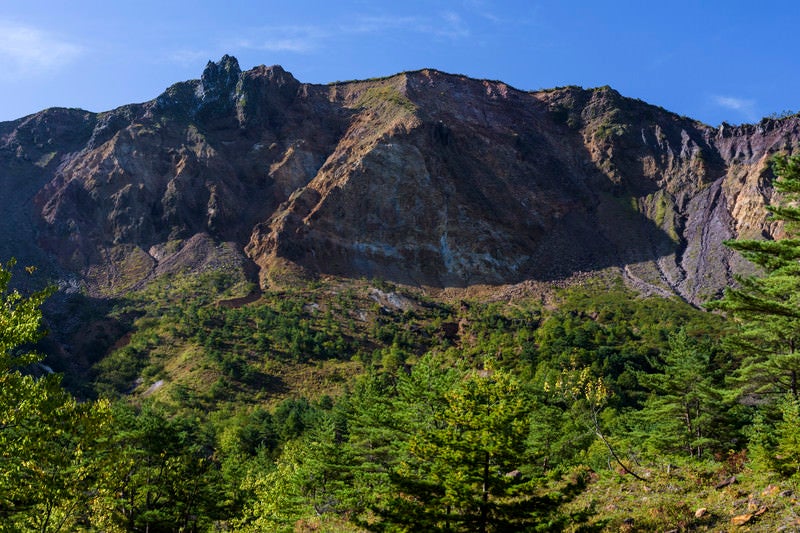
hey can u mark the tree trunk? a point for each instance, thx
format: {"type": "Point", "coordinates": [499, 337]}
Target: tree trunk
{"type": "Point", "coordinates": [485, 496]}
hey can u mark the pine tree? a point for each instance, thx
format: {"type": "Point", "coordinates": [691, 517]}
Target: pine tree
{"type": "Point", "coordinates": [684, 411]}
{"type": "Point", "coordinates": [466, 468]}
{"type": "Point", "coordinates": [776, 447]}
{"type": "Point", "coordinates": [162, 478]}
{"type": "Point", "coordinates": [384, 415]}
{"type": "Point", "coordinates": [767, 308]}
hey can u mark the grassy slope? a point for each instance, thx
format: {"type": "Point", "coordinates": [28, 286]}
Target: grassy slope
{"type": "Point", "coordinates": [195, 341]}
{"type": "Point", "coordinates": [193, 345]}
{"type": "Point", "coordinates": [689, 497]}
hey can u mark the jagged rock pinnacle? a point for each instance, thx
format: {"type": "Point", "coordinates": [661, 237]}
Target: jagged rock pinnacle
{"type": "Point", "coordinates": [217, 88]}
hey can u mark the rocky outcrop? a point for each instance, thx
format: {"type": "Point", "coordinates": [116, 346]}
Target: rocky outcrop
{"type": "Point", "coordinates": [423, 178]}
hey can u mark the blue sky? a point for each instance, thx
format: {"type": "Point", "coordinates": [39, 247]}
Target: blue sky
{"type": "Point", "coordinates": [715, 61]}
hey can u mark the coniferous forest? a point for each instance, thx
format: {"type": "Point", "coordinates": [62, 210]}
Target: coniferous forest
{"type": "Point", "coordinates": [361, 405]}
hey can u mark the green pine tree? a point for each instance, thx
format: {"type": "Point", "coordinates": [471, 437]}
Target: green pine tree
{"type": "Point", "coordinates": [161, 477]}
{"type": "Point", "coordinates": [767, 308]}
{"type": "Point", "coordinates": [467, 468]}
{"type": "Point", "coordinates": [775, 447]}
{"type": "Point", "coordinates": [684, 412]}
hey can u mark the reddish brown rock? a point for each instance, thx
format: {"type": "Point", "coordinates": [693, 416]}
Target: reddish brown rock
{"type": "Point", "coordinates": [726, 482]}
{"type": "Point", "coordinates": [423, 178]}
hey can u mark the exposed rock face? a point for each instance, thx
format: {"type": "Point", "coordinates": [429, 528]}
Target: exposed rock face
{"type": "Point", "coordinates": [423, 178]}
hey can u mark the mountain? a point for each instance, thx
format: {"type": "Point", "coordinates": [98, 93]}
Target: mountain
{"type": "Point", "coordinates": [422, 178]}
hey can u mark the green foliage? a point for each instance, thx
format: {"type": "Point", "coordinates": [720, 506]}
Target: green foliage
{"type": "Point", "coordinates": [767, 308]}
{"type": "Point", "coordinates": [780, 115]}
{"type": "Point", "coordinates": [20, 322]}
{"type": "Point", "coordinates": [386, 94]}
{"type": "Point", "coordinates": [255, 433]}
{"type": "Point", "coordinates": [775, 446]}
{"type": "Point", "coordinates": [49, 443]}
{"type": "Point", "coordinates": [52, 455]}
{"type": "Point", "coordinates": [464, 472]}
{"type": "Point", "coordinates": [610, 129]}
{"type": "Point", "coordinates": [447, 428]}
{"type": "Point", "coordinates": [163, 476]}
{"type": "Point", "coordinates": [787, 437]}
{"type": "Point", "coordinates": [278, 501]}
{"type": "Point", "coordinates": [437, 449]}
{"type": "Point", "coordinates": [685, 410]}
{"type": "Point", "coordinates": [233, 347]}
{"type": "Point", "coordinates": [615, 334]}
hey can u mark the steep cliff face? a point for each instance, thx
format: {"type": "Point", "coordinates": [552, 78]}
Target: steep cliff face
{"type": "Point", "coordinates": [178, 182]}
{"type": "Point", "coordinates": [465, 181]}
{"type": "Point", "coordinates": [423, 178]}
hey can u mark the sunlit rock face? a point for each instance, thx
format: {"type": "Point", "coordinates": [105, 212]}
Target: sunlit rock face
{"type": "Point", "coordinates": [423, 178]}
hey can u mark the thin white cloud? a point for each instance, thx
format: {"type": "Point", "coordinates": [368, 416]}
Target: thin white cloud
{"type": "Point", "coordinates": [309, 38]}
{"type": "Point", "coordinates": [491, 17]}
{"type": "Point", "coordinates": [27, 51]}
{"type": "Point", "coordinates": [523, 14]}
{"type": "Point", "coordinates": [452, 27]}
{"type": "Point", "coordinates": [297, 39]}
{"type": "Point", "coordinates": [744, 106]}
{"type": "Point", "coordinates": [731, 102]}
{"type": "Point", "coordinates": [378, 24]}
{"type": "Point", "coordinates": [448, 25]}
{"type": "Point", "coordinates": [285, 44]}
{"type": "Point", "coordinates": [188, 57]}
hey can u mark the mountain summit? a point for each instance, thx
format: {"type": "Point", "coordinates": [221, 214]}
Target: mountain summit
{"type": "Point", "coordinates": [423, 178]}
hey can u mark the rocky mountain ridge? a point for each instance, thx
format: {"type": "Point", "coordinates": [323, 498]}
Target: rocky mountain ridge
{"type": "Point", "coordinates": [423, 178]}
